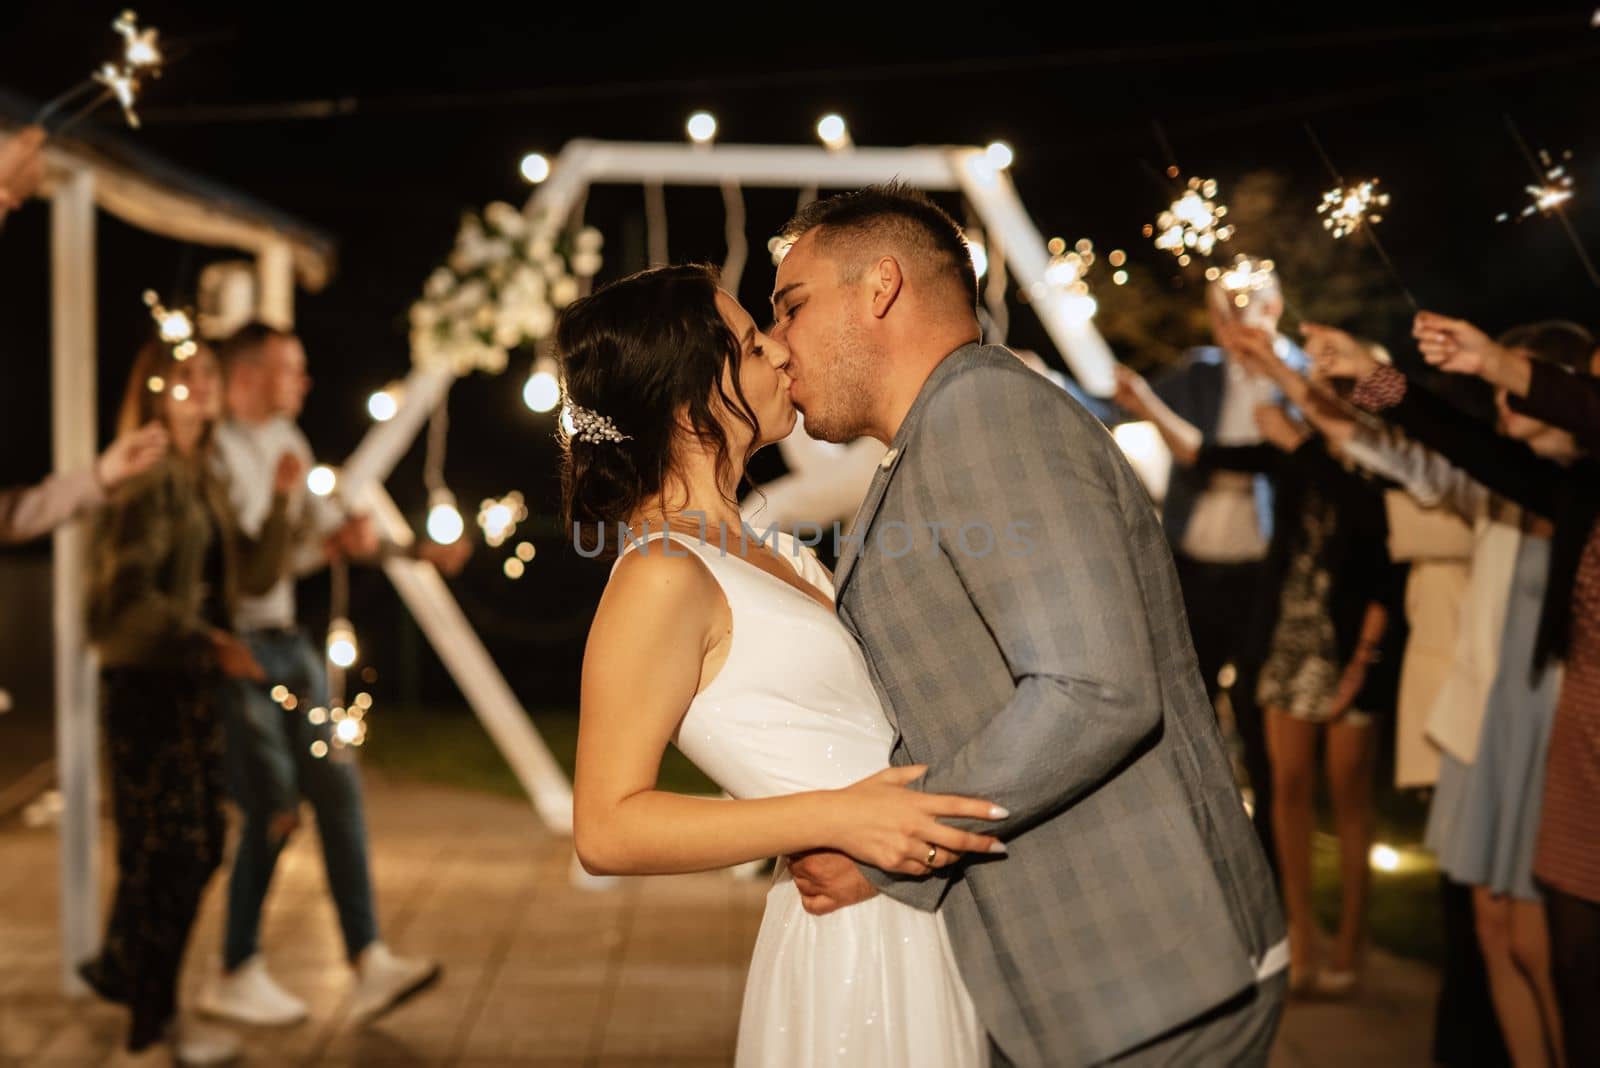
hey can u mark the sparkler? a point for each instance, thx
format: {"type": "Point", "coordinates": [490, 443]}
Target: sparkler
{"type": "Point", "coordinates": [175, 326]}
{"type": "Point", "coordinates": [121, 80]}
{"type": "Point", "coordinates": [1347, 208]}
{"type": "Point", "coordinates": [1550, 194]}
{"type": "Point", "coordinates": [1243, 280]}
{"type": "Point", "coordinates": [1551, 190]}
{"type": "Point", "coordinates": [1193, 223]}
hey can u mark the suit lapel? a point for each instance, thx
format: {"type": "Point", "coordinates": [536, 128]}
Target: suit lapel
{"type": "Point", "coordinates": [862, 523]}
{"type": "Point", "coordinates": [861, 526]}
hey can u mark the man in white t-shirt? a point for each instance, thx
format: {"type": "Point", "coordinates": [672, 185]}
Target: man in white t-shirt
{"type": "Point", "coordinates": [270, 748]}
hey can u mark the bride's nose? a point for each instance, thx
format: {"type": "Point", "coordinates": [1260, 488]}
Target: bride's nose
{"type": "Point", "coordinates": [777, 353]}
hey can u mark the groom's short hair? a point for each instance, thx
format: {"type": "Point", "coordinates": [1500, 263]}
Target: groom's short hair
{"type": "Point", "coordinates": [853, 227]}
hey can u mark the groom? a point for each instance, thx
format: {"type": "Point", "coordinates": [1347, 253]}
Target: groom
{"type": "Point", "coordinates": [1011, 588]}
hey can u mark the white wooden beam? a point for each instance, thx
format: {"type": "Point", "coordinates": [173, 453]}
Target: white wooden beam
{"type": "Point", "coordinates": [997, 204]}
{"type": "Point", "coordinates": [428, 598]}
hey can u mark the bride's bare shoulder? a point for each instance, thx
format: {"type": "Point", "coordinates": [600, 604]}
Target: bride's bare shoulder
{"type": "Point", "coordinates": [650, 584]}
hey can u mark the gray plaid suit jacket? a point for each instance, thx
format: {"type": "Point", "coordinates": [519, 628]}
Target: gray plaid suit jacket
{"type": "Point", "coordinates": [1032, 650]}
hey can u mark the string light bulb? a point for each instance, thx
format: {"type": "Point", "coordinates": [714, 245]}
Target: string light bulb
{"type": "Point", "coordinates": [445, 524]}
{"type": "Point", "coordinates": [384, 404]}
{"type": "Point", "coordinates": [702, 127]}
{"type": "Point", "coordinates": [833, 133]}
{"type": "Point", "coordinates": [321, 480]}
{"type": "Point", "coordinates": [535, 168]}
{"type": "Point", "coordinates": [342, 648]}
{"type": "Point", "coordinates": [542, 391]}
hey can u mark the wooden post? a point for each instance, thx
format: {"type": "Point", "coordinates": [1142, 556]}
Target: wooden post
{"type": "Point", "coordinates": [73, 430]}
{"type": "Point", "coordinates": [275, 285]}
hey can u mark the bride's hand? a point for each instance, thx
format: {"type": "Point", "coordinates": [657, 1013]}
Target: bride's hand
{"type": "Point", "coordinates": [883, 823]}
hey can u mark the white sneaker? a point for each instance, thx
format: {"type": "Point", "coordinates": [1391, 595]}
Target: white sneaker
{"type": "Point", "coordinates": [197, 1045]}
{"type": "Point", "coordinates": [250, 996]}
{"type": "Point", "coordinates": [384, 981]}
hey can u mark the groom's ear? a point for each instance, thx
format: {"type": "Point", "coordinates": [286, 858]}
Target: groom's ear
{"type": "Point", "coordinates": [887, 283]}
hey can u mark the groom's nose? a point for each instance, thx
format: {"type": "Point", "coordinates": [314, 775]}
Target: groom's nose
{"type": "Point", "coordinates": [778, 354]}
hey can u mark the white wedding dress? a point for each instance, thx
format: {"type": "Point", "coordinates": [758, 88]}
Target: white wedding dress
{"type": "Point", "coordinates": [793, 709]}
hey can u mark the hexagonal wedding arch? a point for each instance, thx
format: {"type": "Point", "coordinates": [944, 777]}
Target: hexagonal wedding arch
{"type": "Point", "coordinates": [582, 163]}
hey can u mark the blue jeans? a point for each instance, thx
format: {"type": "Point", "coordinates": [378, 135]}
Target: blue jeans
{"type": "Point", "coordinates": [270, 768]}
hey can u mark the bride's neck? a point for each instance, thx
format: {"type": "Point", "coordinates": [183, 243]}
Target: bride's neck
{"type": "Point", "coordinates": [694, 497]}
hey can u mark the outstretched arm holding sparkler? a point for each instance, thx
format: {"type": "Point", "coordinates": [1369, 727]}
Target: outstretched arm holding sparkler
{"type": "Point", "coordinates": [20, 168]}
{"type": "Point", "coordinates": [1537, 388]}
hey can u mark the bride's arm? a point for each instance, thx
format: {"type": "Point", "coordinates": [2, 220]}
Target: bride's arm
{"type": "Point", "coordinates": [640, 671]}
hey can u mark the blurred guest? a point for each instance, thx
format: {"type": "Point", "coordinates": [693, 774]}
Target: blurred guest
{"type": "Point", "coordinates": [1219, 523]}
{"type": "Point", "coordinates": [1495, 718]}
{"type": "Point", "coordinates": [1437, 543]}
{"type": "Point", "coordinates": [1567, 858]}
{"type": "Point", "coordinates": [270, 747]}
{"type": "Point", "coordinates": [28, 512]}
{"type": "Point", "coordinates": [169, 567]}
{"type": "Point", "coordinates": [1316, 639]}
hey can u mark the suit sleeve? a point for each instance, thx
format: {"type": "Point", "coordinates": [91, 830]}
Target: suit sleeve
{"type": "Point", "coordinates": [1066, 613]}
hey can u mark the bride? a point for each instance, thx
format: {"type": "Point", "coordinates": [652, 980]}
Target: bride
{"type": "Point", "coordinates": [714, 641]}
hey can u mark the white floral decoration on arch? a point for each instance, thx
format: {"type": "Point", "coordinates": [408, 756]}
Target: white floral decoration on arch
{"type": "Point", "coordinates": [499, 290]}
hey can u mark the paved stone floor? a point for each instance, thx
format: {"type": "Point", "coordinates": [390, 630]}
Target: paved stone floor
{"type": "Point", "coordinates": [538, 972]}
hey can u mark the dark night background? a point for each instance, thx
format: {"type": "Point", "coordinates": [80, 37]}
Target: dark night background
{"type": "Point", "coordinates": [449, 99]}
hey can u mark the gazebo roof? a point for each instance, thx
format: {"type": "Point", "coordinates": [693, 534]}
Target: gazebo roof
{"type": "Point", "coordinates": [154, 194]}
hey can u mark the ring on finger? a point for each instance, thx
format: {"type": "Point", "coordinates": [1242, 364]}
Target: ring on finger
{"type": "Point", "coordinates": [933, 853]}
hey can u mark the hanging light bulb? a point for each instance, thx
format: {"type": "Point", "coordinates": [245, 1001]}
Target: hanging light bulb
{"type": "Point", "coordinates": [445, 524]}
{"type": "Point", "coordinates": [535, 168]}
{"type": "Point", "coordinates": [342, 648]}
{"type": "Point", "coordinates": [321, 480]}
{"type": "Point", "coordinates": [999, 154]}
{"type": "Point", "coordinates": [542, 391]}
{"type": "Point", "coordinates": [702, 127]}
{"type": "Point", "coordinates": [833, 132]}
{"type": "Point", "coordinates": [384, 404]}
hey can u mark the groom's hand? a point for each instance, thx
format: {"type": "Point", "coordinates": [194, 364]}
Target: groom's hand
{"type": "Point", "coordinates": [828, 881]}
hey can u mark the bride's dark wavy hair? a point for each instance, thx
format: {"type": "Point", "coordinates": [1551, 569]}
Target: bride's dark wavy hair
{"type": "Point", "coordinates": [639, 351]}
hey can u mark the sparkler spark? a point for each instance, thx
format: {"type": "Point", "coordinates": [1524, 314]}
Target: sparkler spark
{"type": "Point", "coordinates": [140, 49]}
{"type": "Point", "coordinates": [1550, 194]}
{"type": "Point", "coordinates": [1346, 208]}
{"type": "Point", "coordinates": [1192, 223]}
{"type": "Point", "coordinates": [175, 326]}
{"type": "Point", "coordinates": [121, 80]}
